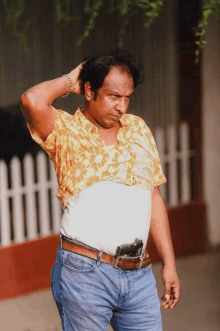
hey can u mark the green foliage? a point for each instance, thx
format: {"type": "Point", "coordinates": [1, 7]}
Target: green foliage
{"type": "Point", "coordinates": [17, 19]}
{"type": "Point", "coordinates": [63, 11]}
{"type": "Point", "coordinates": [129, 8]}
{"type": "Point", "coordinates": [126, 9]}
{"type": "Point", "coordinates": [210, 7]}
{"type": "Point", "coordinates": [19, 22]}
{"type": "Point", "coordinates": [94, 12]}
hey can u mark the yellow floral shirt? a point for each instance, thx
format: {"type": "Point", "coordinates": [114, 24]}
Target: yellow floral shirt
{"type": "Point", "coordinates": [81, 158]}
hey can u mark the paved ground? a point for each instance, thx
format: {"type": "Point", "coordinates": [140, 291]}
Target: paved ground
{"type": "Point", "coordinates": [198, 310]}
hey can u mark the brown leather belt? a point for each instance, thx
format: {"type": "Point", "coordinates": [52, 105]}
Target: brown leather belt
{"type": "Point", "coordinates": [121, 262]}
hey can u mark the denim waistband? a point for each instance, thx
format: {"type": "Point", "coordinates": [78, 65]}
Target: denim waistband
{"type": "Point", "coordinates": [90, 247]}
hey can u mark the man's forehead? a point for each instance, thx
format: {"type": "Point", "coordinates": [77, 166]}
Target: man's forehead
{"type": "Point", "coordinates": [118, 79]}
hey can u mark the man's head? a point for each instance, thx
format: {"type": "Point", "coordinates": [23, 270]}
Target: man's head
{"type": "Point", "coordinates": [108, 80]}
{"type": "Point", "coordinates": [97, 66]}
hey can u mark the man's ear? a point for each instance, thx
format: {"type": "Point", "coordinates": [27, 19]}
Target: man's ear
{"type": "Point", "coordinates": [89, 94]}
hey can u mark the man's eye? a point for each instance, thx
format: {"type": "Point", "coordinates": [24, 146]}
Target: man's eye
{"type": "Point", "coordinates": [113, 96]}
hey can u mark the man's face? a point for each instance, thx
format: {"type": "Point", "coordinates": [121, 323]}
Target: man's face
{"type": "Point", "coordinates": [112, 100]}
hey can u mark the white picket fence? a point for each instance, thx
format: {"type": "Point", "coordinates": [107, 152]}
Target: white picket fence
{"type": "Point", "coordinates": [29, 208]}
{"type": "Point", "coordinates": [34, 211]}
{"type": "Point", "coordinates": [174, 146]}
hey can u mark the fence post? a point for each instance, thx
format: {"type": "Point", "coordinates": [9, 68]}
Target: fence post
{"type": "Point", "coordinates": [30, 197]}
{"type": "Point", "coordinates": [18, 210]}
{"type": "Point", "coordinates": [172, 183]}
{"type": "Point", "coordinates": [56, 205]}
{"type": "Point", "coordinates": [185, 158]}
{"type": "Point", "coordinates": [43, 194]}
{"type": "Point", "coordinates": [4, 206]}
{"type": "Point", "coordinates": [160, 142]}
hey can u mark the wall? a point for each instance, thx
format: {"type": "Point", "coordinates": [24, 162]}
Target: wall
{"type": "Point", "coordinates": [211, 131]}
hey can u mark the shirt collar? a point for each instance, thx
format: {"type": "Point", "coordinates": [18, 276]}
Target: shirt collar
{"type": "Point", "coordinates": [90, 127]}
{"type": "Point", "coordinates": [84, 122]}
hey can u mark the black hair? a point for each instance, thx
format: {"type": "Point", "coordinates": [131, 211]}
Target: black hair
{"type": "Point", "coordinates": [97, 66]}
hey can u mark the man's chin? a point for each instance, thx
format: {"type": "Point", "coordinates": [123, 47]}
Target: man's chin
{"type": "Point", "coordinates": [107, 123]}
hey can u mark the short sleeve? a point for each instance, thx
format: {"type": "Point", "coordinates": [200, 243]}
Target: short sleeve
{"type": "Point", "coordinates": [158, 177]}
{"type": "Point", "coordinates": [56, 137]}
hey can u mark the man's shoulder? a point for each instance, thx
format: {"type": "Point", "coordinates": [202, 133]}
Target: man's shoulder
{"type": "Point", "coordinates": [65, 119]}
{"type": "Point", "coordinates": [62, 114]}
{"type": "Point", "coordinates": [134, 121]}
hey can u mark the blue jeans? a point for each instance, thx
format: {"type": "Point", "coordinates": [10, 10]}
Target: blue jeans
{"type": "Point", "coordinates": [91, 294]}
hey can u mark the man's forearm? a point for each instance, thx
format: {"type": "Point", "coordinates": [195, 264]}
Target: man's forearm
{"type": "Point", "coordinates": [160, 230]}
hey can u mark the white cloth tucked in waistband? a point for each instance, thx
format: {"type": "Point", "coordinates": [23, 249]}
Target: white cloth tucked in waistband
{"type": "Point", "coordinates": [108, 214]}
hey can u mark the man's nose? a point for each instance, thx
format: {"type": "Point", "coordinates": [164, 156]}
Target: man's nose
{"type": "Point", "coordinates": [122, 105]}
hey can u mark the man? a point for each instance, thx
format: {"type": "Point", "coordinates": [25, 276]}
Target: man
{"type": "Point", "coordinates": [108, 171]}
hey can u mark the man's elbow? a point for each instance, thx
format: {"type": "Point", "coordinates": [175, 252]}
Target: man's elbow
{"type": "Point", "coordinates": [26, 101]}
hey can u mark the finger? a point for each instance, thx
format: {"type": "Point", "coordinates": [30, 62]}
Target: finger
{"type": "Point", "coordinates": [167, 294]}
{"type": "Point", "coordinates": [175, 297]}
{"type": "Point", "coordinates": [171, 301]}
{"type": "Point", "coordinates": [174, 303]}
{"type": "Point", "coordinates": [176, 293]}
{"type": "Point", "coordinates": [80, 66]}
{"type": "Point", "coordinates": [166, 298]}
{"type": "Point", "coordinates": [165, 305]}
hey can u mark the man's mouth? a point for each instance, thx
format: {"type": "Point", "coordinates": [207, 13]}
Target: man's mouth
{"type": "Point", "coordinates": [115, 117]}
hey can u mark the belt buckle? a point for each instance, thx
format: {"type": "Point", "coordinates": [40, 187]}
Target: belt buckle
{"type": "Point", "coordinates": [140, 258]}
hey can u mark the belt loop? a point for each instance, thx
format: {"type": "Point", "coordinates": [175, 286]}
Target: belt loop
{"type": "Point", "coordinates": [141, 262]}
{"type": "Point", "coordinates": [99, 259]}
{"type": "Point", "coordinates": [143, 251]}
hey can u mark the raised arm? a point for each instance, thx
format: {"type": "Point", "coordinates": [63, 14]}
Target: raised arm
{"type": "Point", "coordinates": [35, 102]}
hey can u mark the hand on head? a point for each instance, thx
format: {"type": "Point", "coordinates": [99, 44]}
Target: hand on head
{"type": "Point", "coordinates": [74, 76]}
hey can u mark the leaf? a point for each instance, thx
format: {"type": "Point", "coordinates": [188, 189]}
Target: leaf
{"type": "Point", "coordinates": [153, 5]}
{"type": "Point", "coordinates": [59, 13]}
{"type": "Point", "coordinates": [207, 12]}
{"type": "Point", "coordinates": [18, 13]}
{"type": "Point", "coordinates": [200, 25]}
{"type": "Point", "coordinates": [23, 39]}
